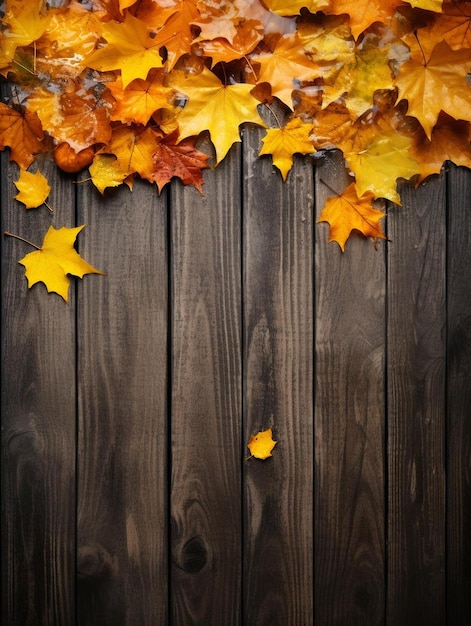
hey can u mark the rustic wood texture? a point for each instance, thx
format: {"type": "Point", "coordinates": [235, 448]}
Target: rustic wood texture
{"type": "Point", "coordinates": [459, 398]}
{"type": "Point", "coordinates": [127, 495]}
{"type": "Point", "coordinates": [206, 396]}
{"type": "Point", "coordinates": [278, 326]}
{"type": "Point", "coordinates": [349, 421]}
{"type": "Point", "coordinates": [122, 373]}
{"type": "Point", "coordinates": [38, 420]}
{"type": "Point", "coordinates": [416, 406]}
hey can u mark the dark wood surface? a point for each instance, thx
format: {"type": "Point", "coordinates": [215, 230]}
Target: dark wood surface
{"type": "Point", "coordinates": [127, 494]}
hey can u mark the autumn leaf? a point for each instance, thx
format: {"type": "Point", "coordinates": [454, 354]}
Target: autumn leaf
{"type": "Point", "coordinates": [437, 83]}
{"type": "Point", "coordinates": [21, 130]}
{"type": "Point", "coordinates": [283, 143]}
{"type": "Point", "coordinates": [293, 7]}
{"type": "Point", "coordinates": [176, 34]}
{"type": "Point", "coordinates": [24, 23]}
{"type": "Point", "coordinates": [129, 48]}
{"type": "Point", "coordinates": [216, 107]}
{"type": "Point", "coordinates": [140, 99]}
{"type": "Point", "coordinates": [180, 160]}
{"type": "Point", "coordinates": [347, 211]}
{"type": "Point", "coordinates": [57, 258]}
{"type": "Point", "coordinates": [261, 444]}
{"type": "Point", "coordinates": [428, 5]}
{"type": "Point", "coordinates": [364, 13]}
{"type": "Point", "coordinates": [381, 163]}
{"type": "Point", "coordinates": [105, 171]}
{"type": "Point", "coordinates": [33, 189]}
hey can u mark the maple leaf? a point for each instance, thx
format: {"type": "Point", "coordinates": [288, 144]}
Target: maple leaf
{"type": "Point", "coordinates": [381, 163]}
{"type": "Point", "coordinates": [435, 84]}
{"type": "Point", "coordinates": [453, 25]}
{"type": "Point", "coordinates": [284, 142]}
{"type": "Point", "coordinates": [182, 161]}
{"type": "Point", "coordinates": [347, 211]}
{"type": "Point", "coordinates": [215, 107]}
{"type": "Point", "coordinates": [21, 130]}
{"type": "Point", "coordinates": [450, 141]}
{"type": "Point", "coordinates": [24, 22]}
{"type": "Point", "coordinates": [57, 257]}
{"type": "Point", "coordinates": [176, 34]}
{"type": "Point", "coordinates": [73, 116]}
{"type": "Point", "coordinates": [293, 7]}
{"type": "Point", "coordinates": [428, 5]}
{"type": "Point", "coordinates": [134, 149]}
{"type": "Point", "coordinates": [285, 67]}
{"type": "Point", "coordinates": [364, 13]}
{"type": "Point", "coordinates": [105, 172]}
{"type": "Point", "coordinates": [261, 444]}
{"type": "Point", "coordinates": [140, 99]}
{"type": "Point", "coordinates": [248, 34]}
{"type": "Point", "coordinates": [33, 189]}
{"type": "Point", "coordinates": [129, 48]}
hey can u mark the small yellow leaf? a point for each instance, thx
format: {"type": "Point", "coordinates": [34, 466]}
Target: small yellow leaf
{"type": "Point", "coordinates": [105, 171]}
{"type": "Point", "coordinates": [33, 189]}
{"type": "Point", "coordinates": [57, 258]}
{"type": "Point", "coordinates": [261, 444]}
{"type": "Point", "coordinates": [283, 143]}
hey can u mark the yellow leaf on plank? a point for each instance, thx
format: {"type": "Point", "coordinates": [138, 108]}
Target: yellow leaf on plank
{"type": "Point", "coordinates": [283, 143]}
{"type": "Point", "coordinates": [346, 212]}
{"type": "Point", "coordinates": [33, 189]}
{"type": "Point", "coordinates": [261, 444]}
{"type": "Point", "coordinates": [105, 171]}
{"type": "Point", "coordinates": [57, 258]}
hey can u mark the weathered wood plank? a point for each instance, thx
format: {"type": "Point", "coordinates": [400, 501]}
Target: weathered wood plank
{"type": "Point", "coordinates": [278, 362]}
{"type": "Point", "coordinates": [122, 350]}
{"type": "Point", "coordinates": [38, 420]}
{"type": "Point", "coordinates": [206, 399]}
{"type": "Point", "coordinates": [349, 421]}
{"type": "Point", "coordinates": [416, 406]}
{"type": "Point", "coordinates": [459, 398]}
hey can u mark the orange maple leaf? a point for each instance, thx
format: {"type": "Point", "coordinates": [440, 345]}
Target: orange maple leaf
{"type": "Point", "coordinates": [21, 130]}
{"type": "Point", "coordinates": [436, 83]}
{"type": "Point", "coordinates": [364, 13]}
{"type": "Point", "coordinates": [176, 34]}
{"type": "Point", "coordinates": [140, 99]}
{"type": "Point", "coordinates": [180, 160]}
{"type": "Point", "coordinates": [346, 212]}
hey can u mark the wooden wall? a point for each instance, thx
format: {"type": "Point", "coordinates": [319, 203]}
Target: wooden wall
{"type": "Point", "coordinates": [127, 495]}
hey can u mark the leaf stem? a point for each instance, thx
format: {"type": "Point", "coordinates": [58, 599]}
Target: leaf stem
{"type": "Point", "coordinates": [274, 115]}
{"type": "Point", "coordinates": [329, 187]}
{"type": "Point", "coordinates": [22, 239]}
{"type": "Point", "coordinates": [49, 207]}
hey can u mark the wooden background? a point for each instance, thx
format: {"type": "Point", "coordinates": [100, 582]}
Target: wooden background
{"type": "Point", "coordinates": [127, 495]}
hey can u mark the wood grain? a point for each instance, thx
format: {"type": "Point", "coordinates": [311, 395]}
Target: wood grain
{"type": "Point", "coordinates": [122, 355]}
{"type": "Point", "coordinates": [38, 420]}
{"type": "Point", "coordinates": [349, 421]}
{"type": "Point", "coordinates": [278, 363]}
{"type": "Point", "coordinates": [459, 398]}
{"type": "Point", "coordinates": [206, 399]}
{"type": "Point", "coordinates": [416, 406]}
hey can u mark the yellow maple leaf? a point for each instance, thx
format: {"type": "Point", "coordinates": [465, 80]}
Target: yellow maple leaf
{"type": "Point", "coordinates": [105, 171]}
{"type": "Point", "coordinates": [283, 143]}
{"type": "Point", "coordinates": [346, 212]}
{"type": "Point", "coordinates": [435, 83]}
{"type": "Point", "coordinates": [33, 189]}
{"type": "Point", "coordinates": [215, 107]}
{"type": "Point", "coordinates": [261, 444]}
{"type": "Point", "coordinates": [429, 5]}
{"type": "Point", "coordinates": [129, 48]}
{"type": "Point", "coordinates": [24, 23]}
{"type": "Point", "coordinates": [293, 7]}
{"type": "Point", "coordinates": [57, 258]}
{"type": "Point", "coordinates": [381, 163]}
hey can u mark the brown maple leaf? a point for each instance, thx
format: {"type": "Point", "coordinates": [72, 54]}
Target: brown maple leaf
{"type": "Point", "coordinates": [180, 160]}
{"type": "Point", "coordinates": [21, 131]}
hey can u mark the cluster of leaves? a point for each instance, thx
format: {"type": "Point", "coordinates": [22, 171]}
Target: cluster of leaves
{"type": "Point", "coordinates": [126, 87]}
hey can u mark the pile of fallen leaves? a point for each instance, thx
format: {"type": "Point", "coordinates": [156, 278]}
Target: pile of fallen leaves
{"type": "Point", "coordinates": [126, 87]}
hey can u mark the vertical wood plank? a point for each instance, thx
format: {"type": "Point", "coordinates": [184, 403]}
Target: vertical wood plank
{"type": "Point", "coordinates": [416, 406]}
{"type": "Point", "coordinates": [278, 356]}
{"type": "Point", "coordinates": [459, 398]}
{"type": "Point", "coordinates": [206, 399]}
{"type": "Point", "coordinates": [349, 421]}
{"type": "Point", "coordinates": [38, 412]}
{"type": "Point", "coordinates": [122, 318]}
